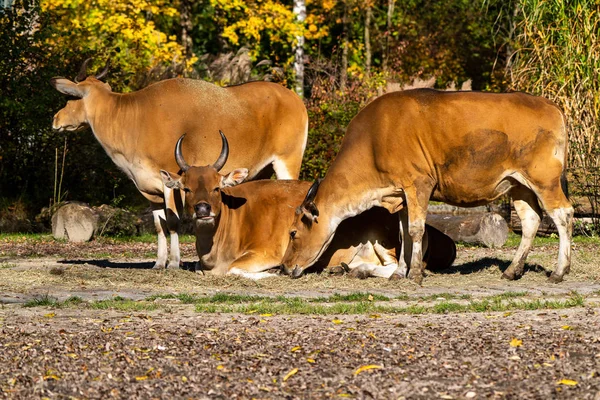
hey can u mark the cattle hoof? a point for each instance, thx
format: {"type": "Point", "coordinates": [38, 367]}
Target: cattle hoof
{"type": "Point", "coordinates": [158, 266]}
{"type": "Point", "coordinates": [416, 277]}
{"type": "Point", "coordinates": [337, 270]}
{"type": "Point", "coordinates": [396, 277]}
{"type": "Point", "coordinates": [358, 273]}
{"type": "Point", "coordinates": [297, 272]}
{"type": "Point", "coordinates": [174, 265]}
{"type": "Point", "coordinates": [555, 278]}
{"type": "Point", "coordinates": [508, 276]}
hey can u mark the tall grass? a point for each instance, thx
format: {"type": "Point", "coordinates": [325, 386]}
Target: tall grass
{"type": "Point", "coordinates": [557, 55]}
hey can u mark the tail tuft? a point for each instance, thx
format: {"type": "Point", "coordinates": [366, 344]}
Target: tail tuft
{"type": "Point", "coordinates": [564, 184]}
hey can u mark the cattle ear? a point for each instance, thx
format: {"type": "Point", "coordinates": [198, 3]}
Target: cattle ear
{"type": "Point", "coordinates": [171, 180]}
{"type": "Point", "coordinates": [308, 207]}
{"type": "Point", "coordinates": [235, 177]}
{"type": "Point", "coordinates": [66, 86]}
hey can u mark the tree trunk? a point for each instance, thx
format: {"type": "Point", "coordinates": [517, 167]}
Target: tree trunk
{"type": "Point", "coordinates": [369, 13]}
{"type": "Point", "coordinates": [300, 11]}
{"type": "Point", "coordinates": [489, 229]}
{"type": "Point", "coordinates": [344, 69]}
{"type": "Point", "coordinates": [388, 32]}
{"type": "Point", "coordinates": [185, 20]}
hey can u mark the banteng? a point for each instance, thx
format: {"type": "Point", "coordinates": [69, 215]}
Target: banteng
{"type": "Point", "coordinates": [243, 229]}
{"type": "Point", "coordinates": [268, 123]}
{"type": "Point", "coordinates": [462, 148]}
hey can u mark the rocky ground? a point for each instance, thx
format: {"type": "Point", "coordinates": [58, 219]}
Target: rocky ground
{"type": "Point", "coordinates": [540, 346]}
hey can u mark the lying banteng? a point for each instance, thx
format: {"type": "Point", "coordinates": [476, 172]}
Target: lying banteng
{"type": "Point", "coordinates": [462, 148]}
{"type": "Point", "coordinates": [268, 123]}
{"type": "Point", "coordinates": [244, 229]}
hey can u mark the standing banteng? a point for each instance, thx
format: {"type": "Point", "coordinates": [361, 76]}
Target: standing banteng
{"type": "Point", "coordinates": [268, 125]}
{"type": "Point", "coordinates": [462, 148]}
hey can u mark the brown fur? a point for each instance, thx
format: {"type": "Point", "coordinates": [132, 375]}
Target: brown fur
{"type": "Point", "coordinates": [249, 229]}
{"type": "Point", "coordinates": [463, 148]}
{"type": "Point", "coordinates": [265, 123]}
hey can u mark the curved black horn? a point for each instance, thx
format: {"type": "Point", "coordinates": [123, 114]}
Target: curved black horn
{"type": "Point", "coordinates": [179, 156]}
{"type": "Point", "coordinates": [103, 73]}
{"type": "Point", "coordinates": [224, 153]}
{"type": "Point", "coordinates": [83, 71]}
{"type": "Point", "coordinates": [312, 192]}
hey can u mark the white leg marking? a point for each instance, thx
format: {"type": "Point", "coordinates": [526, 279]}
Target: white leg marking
{"type": "Point", "coordinates": [250, 275]}
{"type": "Point", "coordinates": [281, 169]}
{"type": "Point", "coordinates": [563, 219]}
{"type": "Point", "coordinates": [159, 220]}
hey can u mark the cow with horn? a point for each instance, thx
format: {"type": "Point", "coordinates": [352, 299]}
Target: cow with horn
{"type": "Point", "coordinates": [243, 229]}
{"type": "Point", "coordinates": [461, 148]}
{"type": "Point", "coordinates": [268, 125]}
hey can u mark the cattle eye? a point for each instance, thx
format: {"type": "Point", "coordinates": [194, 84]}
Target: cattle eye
{"type": "Point", "coordinates": [216, 190]}
{"type": "Point", "coordinates": [293, 234]}
{"type": "Point", "coordinates": [187, 190]}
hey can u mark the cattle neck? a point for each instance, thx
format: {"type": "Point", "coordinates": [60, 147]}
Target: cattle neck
{"type": "Point", "coordinates": [342, 196]}
{"type": "Point", "coordinates": [111, 119]}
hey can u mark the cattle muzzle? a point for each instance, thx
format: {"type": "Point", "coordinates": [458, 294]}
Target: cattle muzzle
{"type": "Point", "coordinates": [203, 211]}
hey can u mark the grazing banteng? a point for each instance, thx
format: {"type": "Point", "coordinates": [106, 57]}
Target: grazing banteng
{"type": "Point", "coordinates": [268, 123]}
{"type": "Point", "coordinates": [462, 148]}
{"type": "Point", "coordinates": [243, 229]}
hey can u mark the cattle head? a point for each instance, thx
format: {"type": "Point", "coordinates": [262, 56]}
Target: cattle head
{"type": "Point", "coordinates": [75, 115]}
{"type": "Point", "coordinates": [202, 185]}
{"type": "Point", "coordinates": [304, 247]}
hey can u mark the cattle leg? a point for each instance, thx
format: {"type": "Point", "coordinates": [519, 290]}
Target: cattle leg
{"type": "Point", "coordinates": [252, 266]}
{"type": "Point", "coordinates": [530, 214]}
{"type": "Point", "coordinates": [174, 202]}
{"type": "Point", "coordinates": [416, 209]}
{"type": "Point", "coordinates": [563, 219]}
{"type": "Point", "coordinates": [405, 246]}
{"type": "Point", "coordinates": [286, 169]}
{"type": "Point", "coordinates": [160, 224]}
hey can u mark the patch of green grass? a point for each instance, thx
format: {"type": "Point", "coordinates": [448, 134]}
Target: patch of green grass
{"type": "Point", "coordinates": [119, 303]}
{"type": "Point", "coordinates": [32, 237]}
{"type": "Point", "coordinates": [42, 301]}
{"type": "Point", "coordinates": [5, 265]}
{"type": "Point", "coordinates": [358, 296]}
{"type": "Point", "coordinates": [297, 305]}
{"type": "Point", "coordinates": [49, 301]}
{"type": "Point", "coordinates": [445, 296]}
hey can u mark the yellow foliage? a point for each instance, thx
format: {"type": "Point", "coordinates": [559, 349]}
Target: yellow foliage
{"type": "Point", "coordinates": [121, 29]}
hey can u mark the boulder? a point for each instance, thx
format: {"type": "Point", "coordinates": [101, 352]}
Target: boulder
{"type": "Point", "coordinates": [75, 222]}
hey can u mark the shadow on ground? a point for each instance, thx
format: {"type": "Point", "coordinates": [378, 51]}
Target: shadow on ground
{"type": "Point", "coordinates": [487, 263]}
{"type": "Point", "coordinates": [105, 263]}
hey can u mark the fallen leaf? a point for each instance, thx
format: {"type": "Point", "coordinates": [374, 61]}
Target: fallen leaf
{"type": "Point", "coordinates": [294, 349]}
{"type": "Point", "coordinates": [567, 328]}
{"type": "Point", "coordinates": [141, 378]}
{"type": "Point", "coordinates": [220, 367]}
{"type": "Point", "coordinates": [370, 297]}
{"type": "Point", "coordinates": [516, 342]}
{"type": "Point", "coordinates": [290, 374]}
{"type": "Point", "coordinates": [337, 321]}
{"type": "Point", "coordinates": [266, 315]}
{"type": "Point", "coordinates": [366, 368]}
{"type": "Point", "coordinates": [49, 315]}
{"type": "Point", "coordinates": [567, 382]}
{"type": "Point", "coordinates": [310, 360]}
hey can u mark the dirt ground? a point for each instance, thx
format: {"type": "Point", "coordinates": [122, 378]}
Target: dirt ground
{"type": "Point", "coordinates": [176, 352]}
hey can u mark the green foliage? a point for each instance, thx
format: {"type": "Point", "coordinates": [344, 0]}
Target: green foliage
{"type": "Point", "coordinates": [557, 55]}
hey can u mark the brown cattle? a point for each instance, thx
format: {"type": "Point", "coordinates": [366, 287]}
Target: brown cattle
{"type": "Point", "coordinates": [462, 148]}
{"type": "Point", "coordinates": [268, 125]}
{"type": "Point", "coordinates": [244, 229]}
